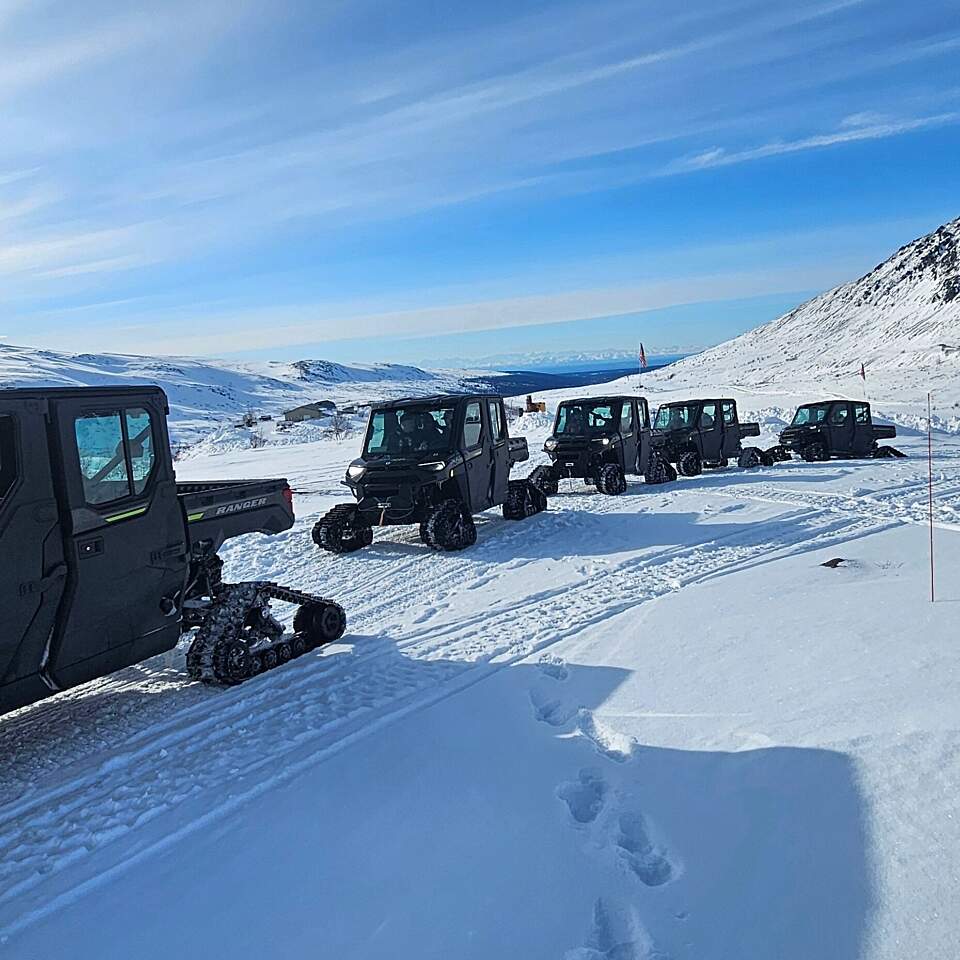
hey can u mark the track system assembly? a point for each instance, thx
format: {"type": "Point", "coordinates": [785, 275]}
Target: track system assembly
{"type": "Point", "coordinates": [239, 637]}
{"type": "Point", "coordinates": [339, 530]}
{"type": "Point", "coordinates": [524, 499]}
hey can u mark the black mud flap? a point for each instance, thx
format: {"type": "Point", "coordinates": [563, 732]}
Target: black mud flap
{"type": "Point", "coordinates": [888, 453]}
{"type": "Point", "coordinates": [777, 454]}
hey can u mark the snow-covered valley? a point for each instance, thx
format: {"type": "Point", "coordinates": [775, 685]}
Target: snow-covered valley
{"type": "Point", "coordinates": [644, 726]}
{"type": "Point", "coordinates": [628, 728]}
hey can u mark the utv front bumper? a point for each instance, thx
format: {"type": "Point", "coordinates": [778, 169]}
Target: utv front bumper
{"type": "Point", "coordinates": [796, 438]}
{"type": "Point", "coordinates": [575, 459]}
{"type": "Point", "coordinates": [385, 498]}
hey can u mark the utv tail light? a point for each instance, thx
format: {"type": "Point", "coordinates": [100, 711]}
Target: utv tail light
{"type": "Point", "coordinates": [288, 496]}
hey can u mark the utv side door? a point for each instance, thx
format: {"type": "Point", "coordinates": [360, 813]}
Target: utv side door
{"type": "Point", "coordinates": [731, 428]}
{"type": "Point", "coordinates": [629, 430]}
{"type": "Point", "coordinates": [840, 428]}
{"type": "Point", "coordinates": [499, 451]}
{"type": "Point", "coordinates": [125, 541]}
{"type": "Point", "coordinates": [476, 465]}
{"type": "Point", "coordinates": [32, 571]}
{"type": "Point", "coordinates": [711, 431]}
{"type": "Point", "coordinates": [863, 438]}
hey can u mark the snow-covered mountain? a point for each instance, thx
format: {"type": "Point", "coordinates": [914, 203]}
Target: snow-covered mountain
{"type": "Point", "coordinates": [901, 321]}
{"type": "Point", "coordinates": [205, 393]}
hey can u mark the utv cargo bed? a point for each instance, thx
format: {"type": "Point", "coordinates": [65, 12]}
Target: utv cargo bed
{"type": "Point", "coordinates": [218, 510]}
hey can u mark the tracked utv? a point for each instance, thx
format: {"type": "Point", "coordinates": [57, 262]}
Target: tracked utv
{"type": "Point", "coordinates": [694, 434]}
{"type": "Point", "coordinates": [836, 429]}
{"type": "Point", "coordinates": [601, 440]}
{"type": "Point", "coordinates": [105, 560]}
{"type": "Point", "coordinates": [434, 461]}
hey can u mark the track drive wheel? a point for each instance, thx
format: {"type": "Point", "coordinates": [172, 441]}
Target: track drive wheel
{"type": "Point", "coordinates": [524, 499]}
{"type": "Point", "coordinates": [611, 480]}
{"type": "Point", "coordinates": [319, 623]}
{"type": "Point", "coordinates": [231, 661]}
{"type": "Point", "coordinates": [340, 531]}
{"type": "Point", "coordinates": [749, 458]}
{"type": "Point", "coordinates": [450, 527]}
{"type": "Point", "coordinates": [658, 470]}
{"type": "Point", "coordinates": [690, 464]}
{"type": "Point", "coordinates": [545, 480]}
{"type": "Point", "coordinates": [814, 452]}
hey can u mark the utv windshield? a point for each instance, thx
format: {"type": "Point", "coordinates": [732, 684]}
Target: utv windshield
{"type": "Point", "coordinates": [409, 430]}
{"type": "Point", "coordinates": [814, 413]}
{"type": "Point", "coordinates": [579, 419]}
{"type": "Point", "coordinates": [677, 416]}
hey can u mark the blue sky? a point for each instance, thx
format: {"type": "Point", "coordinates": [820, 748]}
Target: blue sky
{"type": "Point", "coordinates": [424, 181]}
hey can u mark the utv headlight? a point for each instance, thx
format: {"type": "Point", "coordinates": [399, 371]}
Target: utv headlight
{"type": "Point", "coordinates": [355, 471]}
{"type": "Point", "coordinates": [437, 465]}
{"type": "Point", "coordinates": [605, 441]}
{"type": "Point", "coordinates": [550, 444]}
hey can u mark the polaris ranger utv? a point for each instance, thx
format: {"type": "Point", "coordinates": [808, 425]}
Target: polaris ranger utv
{"type": "Point", "coordinates": [105, 560]}
{"type": "Point", "coordinates": [600, 440]}
{"type": "Point", "coordinates": [836, 428]}
{"type": "Point", "coordinates": [435, 461]}
{"type": "Point", "coordinates": [695, 434]}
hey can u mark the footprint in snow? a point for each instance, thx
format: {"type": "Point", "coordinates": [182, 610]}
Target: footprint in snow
{"type": "Point", "coordinates": [638, 852]}
{"type": "Point", "coordinates": [554, 667]}
{"type": "Point", "coordinates": [616, 934]}
{"type": "Point", "coordinates": [584, 796]}
{"type": "Point", "coordinates": [550, 710]}
{"type": "Point", "coordinates": [607, 742]}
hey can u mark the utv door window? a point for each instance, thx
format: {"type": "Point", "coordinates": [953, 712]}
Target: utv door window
{"type": "Point", "coordinates": [472, 426]}
{"type": "Point", "coordinates": [728, 412]}
{"type": "Point", "coordinates": [838, 415]}
{"type": "Point", "coordinates": [626, 418]}
{"type": "Point", "coordinates": [8, 456]}
{"type": "Point", "coordinates": [708, 417]}
{"type": "Point", "coordinates": [140, 444]}
{"type": "Point", "coordinates": [496, 420]}
{"type": "Point", "coordinates": [103, 463]}
{"type": "Point", "coordinates": [116, 454]}
{"type": "Point", "coordinates": [862, 412]}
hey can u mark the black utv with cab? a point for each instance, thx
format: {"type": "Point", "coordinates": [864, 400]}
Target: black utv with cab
{"type": "Point", "coordinates": [105, 560]}
{"type": "Point", "coordinates": [694, 434]}
{"type": "Point", "coordinates": [836, 429]}
{"type": "Point", "coordinates": [435, 461]}
{"type": "Point", "coordinates": [601, 440]}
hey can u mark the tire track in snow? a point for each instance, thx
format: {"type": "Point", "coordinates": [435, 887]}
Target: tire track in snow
{"type": "Point", "coordinates": [215, 756]}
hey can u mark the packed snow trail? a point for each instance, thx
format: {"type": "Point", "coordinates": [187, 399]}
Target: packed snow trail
{"type": "Point", "coordinates": [183, 767]}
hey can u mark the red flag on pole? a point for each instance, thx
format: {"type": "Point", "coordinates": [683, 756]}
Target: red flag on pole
{"type": "Point", "coordinates": [643, 358]}
{"type": "Point", "coordinates": [863, 374]}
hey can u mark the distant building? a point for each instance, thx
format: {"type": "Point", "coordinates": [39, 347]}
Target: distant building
{"type": "Point", "coordinates": [534, 406]}
{"type": "Point", "coordinates": [310, 411]}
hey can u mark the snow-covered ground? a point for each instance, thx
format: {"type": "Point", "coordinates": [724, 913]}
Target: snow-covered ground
{"type": "Point", "coordinates": [628, 728]}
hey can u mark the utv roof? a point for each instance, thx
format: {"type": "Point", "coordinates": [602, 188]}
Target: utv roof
{"type": "Point", "coordinates": [100, 390]}
{"type": "Point", "coordinates": [436, 399]}
{"type": "Point", "coordinates": [680, 403]}
{"type": "Point", "coordinates": [605, 399]}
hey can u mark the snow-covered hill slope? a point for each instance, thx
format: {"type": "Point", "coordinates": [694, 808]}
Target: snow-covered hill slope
{"type": "Point", "coordinates": [901, 321]}
{"type": "Point", "coordinates": [204, 393]}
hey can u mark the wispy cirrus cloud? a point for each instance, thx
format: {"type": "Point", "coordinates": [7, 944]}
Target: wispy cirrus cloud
{"type": "Point", "coordinates": [854, 128]}
{"type": "Point", "coordinates": [144, 145]}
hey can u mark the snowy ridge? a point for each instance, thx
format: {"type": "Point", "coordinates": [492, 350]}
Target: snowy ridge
{"type": "Point", "coordinates": [902, 319]}
{"type": "Point", "coordinates": [205, 393]}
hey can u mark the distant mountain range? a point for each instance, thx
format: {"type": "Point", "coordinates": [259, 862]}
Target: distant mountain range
{"type": "Point", "coordinates": [203, 393]}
